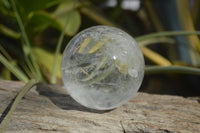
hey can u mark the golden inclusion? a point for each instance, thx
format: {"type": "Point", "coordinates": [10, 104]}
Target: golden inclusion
{"type": "Point", "coordinates": [102, 67]}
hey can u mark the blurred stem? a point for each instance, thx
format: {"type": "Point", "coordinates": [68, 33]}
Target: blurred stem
{"type": "Point", "coordinates": [18, 98]}
{"type": "Point", "coordinates": [157, 40]}
{"type": "Point", "coordinates": [171, 69]}
{"type": "Point", "coordinates": [6, 73]}
{"type": "Point", "coordinates": [154, 57]}
{"type": "Point", "coordinates": [165, 33]}
{"type": "Point", "coordinates": [152, 15]}
{"type": "Point", "coordinates": [5, 53]}
{"type": "Point", "coordinates": [28, 62]}
{"type": "Point", "coordinates": [54, 69]}
{"type": "Point", "coordinates": [19, 74]}
{"type": "Point", "coordinates": [27, 70]}
{"type": "Point", "coordinates": [92, 14]}
{"type": "Point", "coordinates": [8, 32]}
{"type": "Point", "coordinates": [26, 40]}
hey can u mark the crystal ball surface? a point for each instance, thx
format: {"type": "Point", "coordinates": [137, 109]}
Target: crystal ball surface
{"type": "Point", "coordinates": [102, 67]}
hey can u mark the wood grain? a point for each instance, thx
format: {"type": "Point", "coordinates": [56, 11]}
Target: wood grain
{"type": "Point", "coordinates": [48, 108]}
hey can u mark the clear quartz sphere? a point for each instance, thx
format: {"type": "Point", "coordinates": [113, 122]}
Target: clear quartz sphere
{"type": "Point", "coordinates": [102, 67]}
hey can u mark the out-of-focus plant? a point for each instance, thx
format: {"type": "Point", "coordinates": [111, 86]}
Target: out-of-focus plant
{"type": "Point", "coordinates": [177, 15]}
{"type": "Point", "coordinates": [33, 17]}
{"type": "Point", "coordinates": [26, 21]}
{"type": "Point", "coordinates": [175, 24]}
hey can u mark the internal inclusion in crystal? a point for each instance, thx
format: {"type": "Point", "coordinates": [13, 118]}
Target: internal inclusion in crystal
{"type": "Point", "coordinates": [102, 67]}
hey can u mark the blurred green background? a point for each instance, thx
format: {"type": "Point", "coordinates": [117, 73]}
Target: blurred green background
{"type": "Point", "coordinates": [34, 33]}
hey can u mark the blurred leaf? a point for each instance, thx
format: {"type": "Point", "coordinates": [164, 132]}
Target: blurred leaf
{"type": "Point", "coordinates": [6, 3]}
{"type": "Point", "coordinates": [4, 11]}
{"type": "Point", "coordinates": [46, 60]}
{"type": "Point", "coordinates": [39, 21]}
{"type": "Point", "coordinates": [154, 57]}
{"type": "Point", "coordinates": [27, 6]}
{"type": "Point", "coordinates": [65, 13]}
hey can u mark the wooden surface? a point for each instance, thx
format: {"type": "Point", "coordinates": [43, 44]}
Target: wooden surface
{"type": "Point", "coordinates": [48, 108]}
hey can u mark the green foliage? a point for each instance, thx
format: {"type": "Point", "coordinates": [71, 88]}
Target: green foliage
{"type": "Point", "coordinates": [15, 70]}
{"type": "Point", "coordinates": [65, 12]}
{"type": "Point", "coordinates": [32, 19]}
{"type": "Point", "coordinates": [46, 60]}
{"type": "Point", "coordinates": [26, 7]}
{"type": "Point", "coordinates": [24, 23]}
{"type": "Point", "coordinates": [8, 32]}
{"type": "Point", "coordinates": [40, 20]}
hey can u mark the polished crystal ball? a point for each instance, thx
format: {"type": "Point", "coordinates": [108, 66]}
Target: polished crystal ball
{"type": "Point", "coordinates": [102, 67]}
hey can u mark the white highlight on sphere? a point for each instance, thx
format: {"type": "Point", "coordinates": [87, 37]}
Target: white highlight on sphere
{"type": "Point", "coordinates": [102, 67]}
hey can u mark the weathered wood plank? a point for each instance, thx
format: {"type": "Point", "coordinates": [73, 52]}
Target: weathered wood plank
{"type": "Point", "coordinates": [48, 108]}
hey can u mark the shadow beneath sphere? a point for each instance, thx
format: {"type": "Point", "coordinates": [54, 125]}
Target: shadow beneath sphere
{"type": "Point", "coordinates": [58, 95]}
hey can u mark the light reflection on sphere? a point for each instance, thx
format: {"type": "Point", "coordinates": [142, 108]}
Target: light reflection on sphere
{"type": "Point", "coordinates": [102, 67]}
